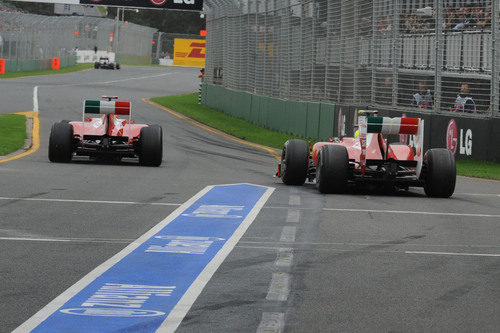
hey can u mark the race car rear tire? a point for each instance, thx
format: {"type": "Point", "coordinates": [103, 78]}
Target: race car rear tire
{"type": "Point", "coordinates": [440, 173]}
{"type": "Point", "coordinates": [332, 171]}
{"type": "Point", "coordinates": [60, 143]}
{"type": "Point", "coordinates": [97, 65]}
{"type": "Point", "coordinates": [117, 66]}
{"type": "Point", "coordinates": [294, 162]}
{"type": "Point", "coordinates": [151, 153]}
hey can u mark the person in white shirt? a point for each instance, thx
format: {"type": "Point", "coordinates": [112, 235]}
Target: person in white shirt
{"type": "Point", "coordinates": [464, 102]}
{"type": "Point", "coordinates": [423, 98]}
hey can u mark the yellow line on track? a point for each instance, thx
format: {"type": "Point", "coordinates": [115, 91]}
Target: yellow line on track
{"type": "Point", "coordinates": [35, 136]}
{"type": "Point", "coordinates": [271, 151]}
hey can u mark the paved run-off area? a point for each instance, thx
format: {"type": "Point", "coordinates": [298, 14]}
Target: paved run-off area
{"type": "Point", "coordinates": [307, 263]}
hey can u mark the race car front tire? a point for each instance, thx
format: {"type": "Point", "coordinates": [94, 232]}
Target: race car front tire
{"type": "Point", "coordinates": [117, 66]}
{"type": "Point", "coordinates": [332, 170]}
{"type": "Point", "coordinates": [97, 65]}
{"type": "Point", "coordinates": [151, 153]}
{"type": "Point", "coordinates": [439, 172]}
{"type": "Point", "coordinates": [60, 143]}
{"type": "Point", "coordinates": [294, 162]}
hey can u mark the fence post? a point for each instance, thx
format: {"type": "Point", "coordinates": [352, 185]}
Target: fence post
{"type": "Point", "coordinates": [373, 53]}
{"type": "Point", "coordinates": [438, 41]}
{"type": "Point", "coordinates": [395, 53]}
{"type": "Point", "coordinates": [494, 76]}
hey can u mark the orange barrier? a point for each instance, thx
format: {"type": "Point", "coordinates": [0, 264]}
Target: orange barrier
{"type": "Point", "coordinates": [2, 66]}
{"type": "Point", "coordinates": [56, 62]}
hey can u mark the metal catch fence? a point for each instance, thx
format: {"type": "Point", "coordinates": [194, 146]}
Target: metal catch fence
{"type": "Point", "coordinates": [427, 55]}
{"type": "Point", "coordinates": [27, 41]}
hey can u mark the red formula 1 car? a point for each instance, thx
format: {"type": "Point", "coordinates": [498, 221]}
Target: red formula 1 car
{"type": "Point", "coordinates": [368, 159]}
{"type": "Point", "coordinates": [106, 131]}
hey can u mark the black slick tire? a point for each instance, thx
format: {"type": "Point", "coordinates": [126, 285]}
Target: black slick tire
{"type": "Point", "coordinates": [60, 143]}
{"type": "Point", "coordinates": [332, 171]}
{"type": "Point", "coordinates": [151, 146]}
{"type": "Point", "coordinates": [117, 66]}
{"type": "Point", "coordinates": [440, 173]}
{"type": "Point", "coordinates": [294, 162]}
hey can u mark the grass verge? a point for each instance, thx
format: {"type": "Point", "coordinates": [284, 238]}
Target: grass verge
{"type": "Point", "coordinates": [64, 70]}
{"type": "Point", "coordinates": [188, 106]}
{"type": "Point", "coordinates": [12, 132]}
{"type": "Point", "coordinates": [489, 170]}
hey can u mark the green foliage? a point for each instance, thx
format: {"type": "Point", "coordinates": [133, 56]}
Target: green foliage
{"type": "Point", "coordinates": [63, 70]}
{"type": "Point", "coordinates": [188, 106]}
{"type": "Point", "coordinates": [169, 21]}
{"type": "Point", "coordinates": [12, 132]}
{"type": "Point", "coordinates": [479, 169]}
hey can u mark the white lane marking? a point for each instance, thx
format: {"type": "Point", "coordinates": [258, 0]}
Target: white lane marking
{"type": "Point", "coordinates": [455, 254]}
{"type": "Point", "coordinates": [396, 252]}
{"type": "Point", "coordinates": [284, 258]}
{"type": "Point", "coordinates": [405, 212]}
{"type": "Point", "coordinates": [479, 194]}
{"type": "Point", "coordinates": [380, 242]}
{"type": "Point", "coordinates": [67, 240]}
{"type": "Point", "coordinates": [93, 201]}
{"type": "Point", "coordinates": [35, 99]}
{"type": "Point", "coordinates": [293, 216]}
{"type": "Point", "coordinates": [294, 200]}
{"type": "Point", "coordinates": [272, 322]}
{"type": "Point", "coordinates": [132, 78]}
{"type": "Point", "coordinates": [182, 307]}
{"type": "Point", "coordinates": [279, 288]}
{"type": "Point", "coordinates": [60, 300]}
{"type": "Point", "coordinates": [288, 234]}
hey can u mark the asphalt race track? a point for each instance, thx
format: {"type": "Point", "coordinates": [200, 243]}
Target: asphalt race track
{"type": "Point", "coordinates": [361, 262]}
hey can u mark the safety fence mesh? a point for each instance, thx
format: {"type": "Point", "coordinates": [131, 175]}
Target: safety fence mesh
{"type": "Point", "coordinates": [28, 40]}
{"type": "Point", "coordinates": [425, 55]}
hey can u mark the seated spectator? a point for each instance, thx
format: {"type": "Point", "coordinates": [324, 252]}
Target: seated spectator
{"type": "Point", "coordinates": [484, 21]}
{"type": "Point", "coordinates": [423, 98]}
{"type": "Point", "coordinates": [464, 102]}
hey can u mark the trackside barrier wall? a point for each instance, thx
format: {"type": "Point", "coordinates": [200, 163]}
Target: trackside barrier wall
{"type": "Point", "coordinates": [17, 65]}
{"type": "Point", "coordinates": [305, 119]}
{"type": "Point", "coordinates": [470, 138]}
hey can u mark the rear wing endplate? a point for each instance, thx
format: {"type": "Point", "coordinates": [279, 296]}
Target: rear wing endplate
{"type": "Point", "coordinates": [106, 107]}
{"type": "Point", "coordinates": [386, 125]}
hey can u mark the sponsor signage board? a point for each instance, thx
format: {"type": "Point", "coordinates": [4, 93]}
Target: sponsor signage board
{"type": "Point", "coordinates": [189, 52]}
{"type": "Point", "coordinates": [195, 5]}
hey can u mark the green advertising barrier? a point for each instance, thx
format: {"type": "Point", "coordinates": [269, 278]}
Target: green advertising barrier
{"type": "Point", "coordinates": [311, 120]}
{"type": "Point", "coordinates": [28, 65]}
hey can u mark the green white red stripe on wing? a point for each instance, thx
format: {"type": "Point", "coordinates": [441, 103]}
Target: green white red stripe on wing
{"type": "Point", "coordinates": [113, 107]}
{"type": "Point", "coordinates": [386, 125]}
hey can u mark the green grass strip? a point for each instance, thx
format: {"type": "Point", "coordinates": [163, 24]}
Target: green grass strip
{"type": "Point", "coordinates": [64, 70]}
{"type": "Point", "coordinates": [12, 132]}
{"type": "Point", "coordinates": [478, 169]}
{"type": "Point", "coordinates": [188, 106]}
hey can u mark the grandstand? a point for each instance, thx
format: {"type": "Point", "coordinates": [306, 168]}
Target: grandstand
{"type": "Point", "coordinates": [366, 53]}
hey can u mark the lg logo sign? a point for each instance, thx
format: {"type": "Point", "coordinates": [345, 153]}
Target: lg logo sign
{"type": "Point", "coordinates": [175, 2]}
{"type": "Point", "coordinates": [464, 146]}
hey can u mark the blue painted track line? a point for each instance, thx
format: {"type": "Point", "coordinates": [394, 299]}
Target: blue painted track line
{"type": "Point", "coordinates": [151, 284]}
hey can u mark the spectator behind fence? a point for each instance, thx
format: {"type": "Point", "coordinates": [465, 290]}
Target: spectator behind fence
{"type": "Point", "coordinates": [464, 101]}
{"type": "Point", "coordinates": [423, 98]}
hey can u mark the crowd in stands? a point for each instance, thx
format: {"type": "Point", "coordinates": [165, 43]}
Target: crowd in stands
{"type": "Point", "coordinates": [8, 8]}
{"type": "Point", "coordinates": [473, 17]}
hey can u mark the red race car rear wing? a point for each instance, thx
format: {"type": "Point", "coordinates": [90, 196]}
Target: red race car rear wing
{"type": "Point", "coordinates": [107, 107]}
{"type": "Point", "coordinates": [385, 125]}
